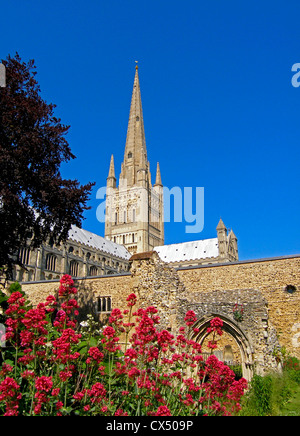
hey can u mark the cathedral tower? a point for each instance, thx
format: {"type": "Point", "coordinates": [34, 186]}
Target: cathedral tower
{"type": "Point", "coordinates": [134, 209]}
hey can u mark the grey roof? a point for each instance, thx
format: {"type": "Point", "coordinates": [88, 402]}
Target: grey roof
{"type": "Point", "coordinates": [205, 248]}
{"type": "Point", "coordinates": [98, 242]}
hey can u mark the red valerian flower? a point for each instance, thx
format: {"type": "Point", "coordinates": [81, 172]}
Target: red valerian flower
{"type": "Point", "coordinates": [95, 355]}
{"type": "Point", "coordinates": [190, 318]}
{"type": "Point", "coordinates": [116, 316]}
{"type": "Point", "coordinates": [56, 354]}
{"type": "Point", "coordinates": [6, 369]}
{"type": "Point", "coordinates": [9, 393]}
{"type": "Point", "coordinates": [131, 300]}
{"type": "Point", "coordinates": [97, 392]}
{"type": "Point", "coordinates": [163, 411]}
{"type": "Point", "coordinates": [216, 325]}
{"type": "Point", "coordinates": [8, 388]}
{"type": "Point", "coordinates": [120, 412]}
{"type": "Point", "coordinates": [109, 332]}
{"type": "Point", "coordinates": [44, 383]}
{"type": "Point", "coordinates": [66, 286]}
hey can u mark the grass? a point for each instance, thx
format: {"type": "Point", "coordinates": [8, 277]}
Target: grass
{"type": "Point", "coordinates": [273, 395]}
{"type": "Point", "coordinates": [292, 406]}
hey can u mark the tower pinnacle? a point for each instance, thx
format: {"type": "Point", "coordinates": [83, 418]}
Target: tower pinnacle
{"type": "Point", "coordinates": [158, 176]}
{"type": "Point", "coordinates": [111, 179]}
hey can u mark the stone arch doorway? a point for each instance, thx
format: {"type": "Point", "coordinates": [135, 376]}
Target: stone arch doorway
{"type": "Point", "coordinates": [239, 336]}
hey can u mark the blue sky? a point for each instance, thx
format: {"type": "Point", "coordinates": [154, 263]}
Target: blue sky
{"type": "Point", "coordinates": [220, 111]}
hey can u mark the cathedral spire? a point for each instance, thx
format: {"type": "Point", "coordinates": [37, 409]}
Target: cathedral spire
{"type": "Point", "coordinates": [135, 156]}
{"type": "Point", "coordinates": [134, 212]}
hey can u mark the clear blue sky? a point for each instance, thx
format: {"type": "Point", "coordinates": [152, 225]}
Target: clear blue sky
{"type": "Point", "coordinates": [219, 108]}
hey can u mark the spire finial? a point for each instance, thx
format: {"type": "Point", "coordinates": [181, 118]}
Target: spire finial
{"type": "Point", "coordinates": [136, 66]}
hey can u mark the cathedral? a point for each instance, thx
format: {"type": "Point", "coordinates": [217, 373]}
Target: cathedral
{"type": "Point", "coordinates": [134, 223]}
{"type": "Point", "coordinates": [134, 209]}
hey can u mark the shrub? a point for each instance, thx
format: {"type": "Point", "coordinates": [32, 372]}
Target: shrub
{"type": "Point", "coordinates": [52, 368]}
{"type": "Point", "coordinates": [258, 401]}
{"type": "Point", "coordinates": [292, 366]}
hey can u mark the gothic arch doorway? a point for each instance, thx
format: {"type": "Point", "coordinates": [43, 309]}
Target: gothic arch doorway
{"type": "Point", "coordinates": [234, 331]}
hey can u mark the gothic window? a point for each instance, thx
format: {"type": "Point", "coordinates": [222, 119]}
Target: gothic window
{"type": "Point", "coordinates": [116, 218]}
{"type": "Point", "coordinates": [123, 239]}
{"type": "Point", "coordinates": [24, 255]}
{"type": "Point", "coordinates": [129, 155]}
{"type": "Point", "coordinates": [93, 271]}
{"type": "Point", "coordinates": [133, 216]}
{"type": "Point", "coordinates": [132, 237]}
{"type": "Point", "coordinates": [74, 267]}
{"type": "Point", "coordinates": [71, 249]}
{"type": "Point", "coordinates": [124, 216]}
{"type": "Point", "coordinates": [104, 304]}
{"type": "Point", "coordinates": [50, 262]}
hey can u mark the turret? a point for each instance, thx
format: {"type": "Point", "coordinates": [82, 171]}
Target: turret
{"type": "Point", "coordinates": [222, 238]}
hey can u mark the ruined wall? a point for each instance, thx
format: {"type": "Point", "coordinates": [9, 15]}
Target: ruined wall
{"type": "Point", "coordinates": [271, 310]}
{"type": "Point", "coordinates": [117, 288]}
{"type": "Point", "coordinates": [270, 277]}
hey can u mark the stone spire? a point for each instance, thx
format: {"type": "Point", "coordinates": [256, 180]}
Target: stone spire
{"type": "Point", "coordinates": [111, 179]}
{"type": "Point", "coordinates": [221, 225]}
{"type": "Point", "coordinates": [135, 156]}
{"type": "Point", "coordinates": [158, 176]}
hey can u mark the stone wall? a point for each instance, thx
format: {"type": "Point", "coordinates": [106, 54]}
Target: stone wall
{"type": "Point", "coordinates": [271, 309]}
{"type": "Point", "coordinates": [270, 277]}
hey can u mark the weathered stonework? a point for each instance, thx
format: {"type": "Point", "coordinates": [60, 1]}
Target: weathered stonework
{"type": "Point", "coordinates": [271, 315]}
{"type": "Point", "coordinates": [270, 277]}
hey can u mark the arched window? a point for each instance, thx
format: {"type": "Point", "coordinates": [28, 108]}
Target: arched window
{"type": "Point", "coordinates": [116, 218]}
{"type": "Point", "coordinates": [50, 262]}
{"type": "Point", "coordinates": [104, 304]}
{"type": "Point", "coordinates": [93, 270]}
{"type": "Point", "coordinates": [123, 239]}
{"type": "Point", "coordinates": [133, 216]}
{"type": "Point", "coordinates": [24, 255]}
{"type": "Point", "coordinates": [74, 267]}
{"type": "Point", "coordinates": [129, 155]}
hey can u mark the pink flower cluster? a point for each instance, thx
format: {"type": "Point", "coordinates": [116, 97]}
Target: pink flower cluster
{"type": "Point", "coordinates": [154, 372]}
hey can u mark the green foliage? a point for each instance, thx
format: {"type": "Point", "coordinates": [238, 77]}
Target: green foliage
{"type": "Point", "coordinates": [274, 394]}
{"type": "Point", "coordinates": [3, 306]}
{"type": "Point", "coordinates": [262, 389]}
{"type": "Point", "coordinates": [36, 202]}
{"type": "Point", "coordinates": [292, 366]}
{"type": "Point", "coordinates": [238, 371]}
{"type": "Point", "coordinates": [15, 287]}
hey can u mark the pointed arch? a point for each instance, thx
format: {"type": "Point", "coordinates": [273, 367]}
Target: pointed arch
{"type": "Point", "coordinates": [237, 333]}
